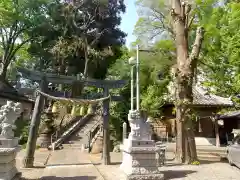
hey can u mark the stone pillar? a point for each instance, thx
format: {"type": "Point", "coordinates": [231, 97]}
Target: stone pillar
{"type": "Point", "coordinates": [217, 132]}
{"type": "Point", "coordinates": [8, 151]}
{"type": "Point", "coordinates": [124, 131]}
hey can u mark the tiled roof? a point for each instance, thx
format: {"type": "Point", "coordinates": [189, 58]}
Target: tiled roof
{"type": "Point", "coordinates": [229, 115]}
{"type": "Point", "coordinates": [201, 97]}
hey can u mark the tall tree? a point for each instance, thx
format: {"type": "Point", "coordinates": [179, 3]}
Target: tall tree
{"type": "Point", "coordinates": [184, 73]}
{"type": "Point", "coordinates": [81, 37]}
{"type": "Point", "coordinates": [17, 17]}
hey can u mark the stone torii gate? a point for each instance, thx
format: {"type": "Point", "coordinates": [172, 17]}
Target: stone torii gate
{"type": "Point", "coordinates": [43, 79]}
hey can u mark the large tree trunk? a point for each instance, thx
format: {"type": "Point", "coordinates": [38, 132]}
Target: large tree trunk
{"type": "Point", "coordinates": [4, 66]}
{"type": "Point", "coordinates": [3, 74]}
{"type": "Point", "coordinates": [186, 64]}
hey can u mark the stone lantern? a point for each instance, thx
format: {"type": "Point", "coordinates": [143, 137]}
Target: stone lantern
{"type": "Point", "coordinates": [47, 128]}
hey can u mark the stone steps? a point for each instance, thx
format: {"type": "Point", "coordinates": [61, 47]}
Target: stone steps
{"type": "Point", "coordinates": [209, 158]}
{"type": "Point", "coordinates": [205, 153]}
{"type": "Point", "coordinates": [67, 134]}
{"type": "Point", "coordinates": [80, 138]}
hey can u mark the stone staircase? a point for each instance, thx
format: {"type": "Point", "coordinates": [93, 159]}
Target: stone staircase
{"type": "Point", "coordinates": [205, 153]}
{"type": "Point", "coordinates": [212, 154]}
{"type": "Point", "coordinates": [82, 138]}
{"type": "Point", "coordinates": [77, 125]}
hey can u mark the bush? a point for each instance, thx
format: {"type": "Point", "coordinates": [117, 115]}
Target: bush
{"type": "Point", "coordinates": [22, 130]}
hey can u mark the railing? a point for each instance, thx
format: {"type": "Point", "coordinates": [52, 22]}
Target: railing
{"type": "Point", "coordinates": [61, 129]}
{"type": "Point", "coordinates": [93, 133]}
{"type": "Point", "coordinates": [70, 130]}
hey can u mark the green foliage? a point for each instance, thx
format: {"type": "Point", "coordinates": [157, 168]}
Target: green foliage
{"type": "Point", "coordinates": [17, 20]}
{"type": "Point", "coordinates": [41, 35]}
{"type": "Point", "coordinates": [154, 21]}
{"type": "Point", "coordinates": [153, 90]}
{"type": "Point", "coordinates": [119, 110]}
{"type": "Point", "coordinates": [195, 163]}
{"type": "Point", "coordinates": [153, 99]}
{"type": "Point", "coordinates": [22, 130]}
{"type": "Point", "coordinates": [61, 46]}
{"type": "Point", "coordinates": [220, 60]}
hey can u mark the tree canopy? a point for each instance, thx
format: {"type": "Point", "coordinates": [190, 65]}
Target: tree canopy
{"type": "Point", "coordinates": [66, 37]}
{"type": "Point", "coordinates": [18, 22]}
{"type": "Point", "coordinates": [218, 64]}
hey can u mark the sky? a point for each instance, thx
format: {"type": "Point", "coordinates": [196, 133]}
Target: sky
{"type": "Point", "coordinates": [129, 19]}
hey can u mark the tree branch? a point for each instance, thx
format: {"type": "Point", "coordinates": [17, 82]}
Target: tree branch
{"type": "Point", "coordinates": [190, 22]}
{"type": "Point", "coordinates": [197, 44]}
{"type": "Point", "coordinates": [3, 39]}
{"type": "Point", "coordinates": [14, 51]}
{"type": "Point", "coordinates": [98, 36]}
{"type": "Point", "coordinates": [10, 42]}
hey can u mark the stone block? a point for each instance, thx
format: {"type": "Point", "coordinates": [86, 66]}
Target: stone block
{"type": "Point", "coordinates": [8, 169]}
{"type": "Point", "coordinates": [143, 156]}
{"type": "Point", "coordinates": [135, 170]}
{"type": "Point", "coordinates": [8, 151]}
{"type": "Point", "coordinates": [7, 158]}
{"type": "Point", "coordinates": [8, 175]}
{"type": "Point", "coordinates": [144, 162]}
{"type": "Point", "coordinates": [142, 143]}
{"type": "Point", "coordinates": [149, 170]}
{"type": "Point", "coordinates": [8, 143]}
{"type": "Point", "coordinates": [146, 177]}
{"type": "Point", "coordinates": [5, 167]}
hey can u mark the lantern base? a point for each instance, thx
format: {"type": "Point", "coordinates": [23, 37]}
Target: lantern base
{"type": "Point", "coordinates": [140, 160]}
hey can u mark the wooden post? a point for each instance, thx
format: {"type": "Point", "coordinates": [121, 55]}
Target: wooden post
{"type": "Point", "coordinates": [28, 160]}
{"type": "Point", "coordinates": [77, 87]}
{"type": "Point", "coordinates": [106, 142]}
{"type": "Point", "coordinates": [217, 133]}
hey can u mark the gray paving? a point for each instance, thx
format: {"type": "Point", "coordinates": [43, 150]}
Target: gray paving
{"type": "Point", "coordinates": [35, 173]}
{"type": "Point", "coordinates": [71, 164]}
{"type": "Point", "coordinates": [173, 171]}
{"type": "Point", "coordinates": [83, 172]}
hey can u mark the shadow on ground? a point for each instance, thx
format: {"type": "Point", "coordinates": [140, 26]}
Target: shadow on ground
{"type": "Point", "coordinates": [34, 167]}
{"type": "Point", "coordinates": [65, 178]}
{"type": "Point", "coordinates": [213, 162]}
{"type": "Point", "coordinates": [67, 164]}
{"type": "Point", "coordinates": [172, 174]}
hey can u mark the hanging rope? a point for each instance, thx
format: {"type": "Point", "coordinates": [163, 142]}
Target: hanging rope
{"type": "Point", "coordinates": [74, 100]}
